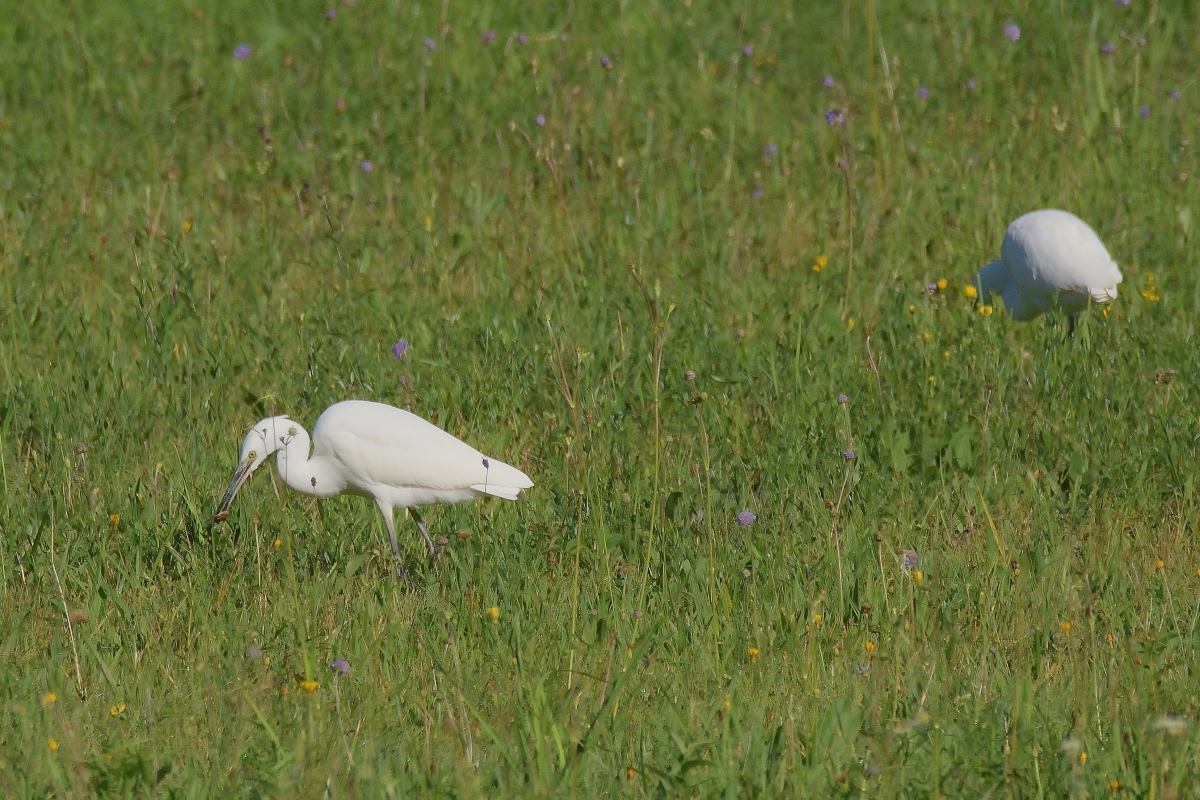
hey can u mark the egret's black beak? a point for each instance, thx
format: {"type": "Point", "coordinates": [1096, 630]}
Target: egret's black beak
{"type": "Point", "coordinates": [240, 476]}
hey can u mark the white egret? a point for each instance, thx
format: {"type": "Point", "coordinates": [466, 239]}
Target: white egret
{"type": "Point", "coordinates": [1049, 259]}
{"type": "Point", "coordinates": [378, 451]}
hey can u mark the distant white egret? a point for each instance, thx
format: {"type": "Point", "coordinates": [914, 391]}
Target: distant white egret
{"type": "Point", "coordinates": [378, 451]}
{"type": "Point", "coordinates": [1049, 259]}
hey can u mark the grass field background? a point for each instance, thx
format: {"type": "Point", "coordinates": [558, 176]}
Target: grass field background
{"type": "Point", "coordinates": [601, 231]}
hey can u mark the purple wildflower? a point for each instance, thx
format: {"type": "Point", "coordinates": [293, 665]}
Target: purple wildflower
{"type": "Point", "coordinates": [834, 117]}
{"type": "Point", "coordinates": [910, 560]}
{"type": "Point", "coordinates": [366, 166]}
{"type": "Point", "coordinates": [1012, 32]}
{"type": "Point", "coordinates": [848, 454]}
{"type": "Point", "coordinates": [489, 37]}
{"type": "Point", "coordinates": [400, 348]}
{"type": "Point", "coordinates": [522, 38]}
{"type": "Point", "coordinates": [1144, 112]}
{"type": "Point", "coordinates": [827, 82]}
{"type": "Point", "coordinates": [1108, 48]}
{"type": "Point", "coordinates": [770, 150]}
{"type": "Point", "coordinates": [842, 399]}
{"type": "Point", "coordinates": [331, 13]}
{"type": "Point", "coordinates": [341, 666]}
{"type": "Point", "coordinates": [1121, 3]}
{"type": "Point", "coordinates": [747, 50]}
{"type": "Point", "coordinates": [606, 62]}
{"type": "Point", "coordinates": [746, 517]}
{"type": "Point", "coordinates": [254, 651]}
{"type": "Point", "coordinates": [922, 92]}
{"type": "Point", "coordinates": [242, 52]}
{"type": "Point", "coordinates": [931, 289]}
{"type": "Point", "coordinates": [971, 85]}
{"type": "Point", "coordinates": [1175, 94]}
{"type": "Point", "coordinates": [758, 193]}
{"type": "Point", "coordinates": [540, 119]}
{"type": "Point", "coordinates": [863, 669]}
{"type": "Point", "coordinates": [430, 44]}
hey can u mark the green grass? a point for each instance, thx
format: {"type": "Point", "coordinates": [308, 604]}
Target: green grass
{"type": "Point", "coordinates": [188, 243]}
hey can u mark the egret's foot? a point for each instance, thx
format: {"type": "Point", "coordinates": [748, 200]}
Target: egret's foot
{"type": "Point", "coordinates": [400, 571]}
{"type": "Point", "coordinates": [437, 547]}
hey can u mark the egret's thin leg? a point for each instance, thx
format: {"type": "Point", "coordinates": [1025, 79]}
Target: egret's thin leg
{"type": "Point", "coordinates": [391, 528]}
{"type": "Point", "coordinates": [424, 532]}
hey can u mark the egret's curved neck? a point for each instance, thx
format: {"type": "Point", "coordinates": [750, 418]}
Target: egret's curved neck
{"type": "Point", "coordinates": [992, 279]}
{"type": "Point", "coordinates": [315, 476]}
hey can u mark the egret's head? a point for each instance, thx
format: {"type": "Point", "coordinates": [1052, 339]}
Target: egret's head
{"type": "Point", "coordinates": [267, 436]}
{"type": "Point", "coordinates": [991, 280]}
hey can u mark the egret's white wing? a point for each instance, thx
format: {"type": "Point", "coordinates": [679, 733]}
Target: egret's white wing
{"type": "Point", "coordinates": [1053, 251]}
{"type": "Point", "coordinates": [382, 445]}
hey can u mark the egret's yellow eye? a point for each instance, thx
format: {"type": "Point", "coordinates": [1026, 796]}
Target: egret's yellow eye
{"type": "Point", "coordinates": [252, 455]}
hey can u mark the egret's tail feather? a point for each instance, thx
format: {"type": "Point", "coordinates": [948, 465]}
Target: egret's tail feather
{"type": "Point", "coordinates": [503, 480]}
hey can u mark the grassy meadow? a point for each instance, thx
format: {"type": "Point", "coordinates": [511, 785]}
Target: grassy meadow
{"type": "Point", "coordinates": [638, 250]}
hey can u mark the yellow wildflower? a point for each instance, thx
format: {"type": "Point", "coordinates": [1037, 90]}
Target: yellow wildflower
{"type": "Point", "coordinates": [631, 773]}
{"type": "Point", "coordinates": [49, 699]}
{"type": "Point", "coordinates": [752, 652]}
{"type": "Point", "coordinates": [1104, 311]}
{"type": "Point", "coordinates": [850, 323]}
{"type": "Point", "coordinates": [1151, 295]}
{"type": "Point", "coordinates": [727, 704]}
{"type": "Point", "coordinates": [186, 226]}
{"type": "Point", "coordinates": [985, 310]}
{"type": "Point", "coordinates": [970, 292]}
{"type": "Point", "coordinates": [114, 521]}
{"type": "Point", "coordinates": [1160, 565]}
{"type": "Point", "coordinates": [926, 336]}
{"type": "Point", "coordinates": [52, 744]}
{"type": "Point", "coordinates": [870, 647]}
{"type": "Point", "coordinates": [117, 710]}
{"type": "Point", "coordinates": [942, 283]}
{"type": "Point", "coordinates": [820, 263]}
{"type": "Point", "coordinates": [918, 576]}
{"type": "Point", "coordinates": [428, 224]}
{"type": "Point", "coordinates": [493, 613]}
{"type": "Point", "coordinates": [276, 544]}
{"type": "Point", "coordinates": [1065, 627]}
{"type": "Point", "coordinates": [1109, 639]}
{"type": "Point", "coordinates": [310, 686]}
{"type": "Point", "coordinates": [912, 308]}
{"type": "Point", "coordinates": [818, 617]}
{"type": "Point", "coordinates": [1083, 758]}
{"type": "Point", "coordinates": [1114, 785]}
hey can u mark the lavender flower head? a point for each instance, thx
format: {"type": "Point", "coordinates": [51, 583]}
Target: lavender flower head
{"type": "Point", "coordinates": [540, 119]}
{"type": "Point", "coordinates": [922, 92]}
{"type": "Point", "coordinates": [366, 166]}
{"type": "Point", "coordinates": [746, 517]}
{"type": "Point", "coordinates": [1144, 112]}
{"type": "Point", "coordinates": [842, 399]}
{"type": "Point", "coordinates": [522, 38]}
{"type": "Point", "coordinates": [747, 50]}
{"type": "Point", "coordinates": [341, 666]}
{"type": "Point", "coordinates": [834, 117]}
{"type": "Point", "coordinates": [331, 13]}
{"type": "Point", "coordinates": [1012, 32]}
{"type": "Point", "coordinates": [606, 62]}
{"type": "Point", "coordinates": [758, 194]}
{"type": "Point", "coordinates": [769, 150]}
{"type": "Point", "coordinates": [827, 82]}
{"type": "Point", "coordinates": [400, 348]}
{"type": "Point", "coordinates": [430, 44]}
{"type": "Point", "coordinates": [848, 454]}
{"type": "Point", "coordinates": [1175, 94]}
{"type": "Point", "coordinates": [253, 651]}
{"type": "Point", "coordinates": [1121, 3]}
{"type": "Point", "coordinates": [488, 37]}
{"type": "Point", "coordinates": [242, 52]}
{"type": "Point", "coordinates": [910, 560]}
{"type": "Point", "coordinates": [971, 84]}
{"type": "Point", "coordinates": [1108, 48]}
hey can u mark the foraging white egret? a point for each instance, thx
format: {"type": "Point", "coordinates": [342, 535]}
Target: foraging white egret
{"type": "Point", "coordinates": [1050, 259]}
{"type": "Point", "coordinates": [378, 451]}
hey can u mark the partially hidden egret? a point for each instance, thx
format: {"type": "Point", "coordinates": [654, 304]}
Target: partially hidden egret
{"type": "Point", "coordinates": [378, 451]}
{"type": "Point", "coordinates": [1049, 260]}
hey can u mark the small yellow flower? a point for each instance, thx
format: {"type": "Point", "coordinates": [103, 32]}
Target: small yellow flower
{"type": "Point", "coordinates": [918, 576]}
{"type": "Point", "coordinates": [52, 743]}
{"type": "Point", "coordinates": [117, 710]}
{"type": "Point", "coordinates": [1151, 295]}
{"type": "Point", "coordinates": [946, 354]}
{"type": "Point", "coordinates": [493, 613]}
{"type": "Point", "coordinates": [752, 652]}
{"type": "Point", "coordinates": [428, 224]}
{"type": "Point", "coordinates": [1065, 627]}
{"type": "Point", "coordinates": [970, 292]}
{"type": "Point", "coordinates": [186, 226]}
{"type": "Point", "coordinates": [931, 378]}
{"type": "Point", "coordinates": [912, 308]}
{"type": "Point", "coordinates": [277, 543]}
{"type": "Point", "coordinates": [1110, 640]}
{"type": "Point", "coordinates": [820, 263]}
{"type": "Point", "coordinates": [631, 773]}
{"type": "Point", "coordinates": [1083, 758]}
{"type": "Point", "coordinates": [818, 617]}
{"type": "Point", "coordinates": [870, 647]}
{"type": "Point", "coordinates": [1160, 565]}
{"type": "Point", "coordinates": [942, 283]}
{"type": "Point", "coordinates": [114, 521]}
{"type": "Point", "coordinates": [985, 310]}
{"type": "Point", "coordinates": [49, 699]}
{"type": "Point", "coordinates": [310, 686]}
{"type": "Point", "coordinates": [1104, 311]}
{"type": "Point", "coordinates": [926, 336]}
{"type": "Point", "coordinates": [1114, 785]}
{"type": "Point", "coordinates": [850, 323]}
